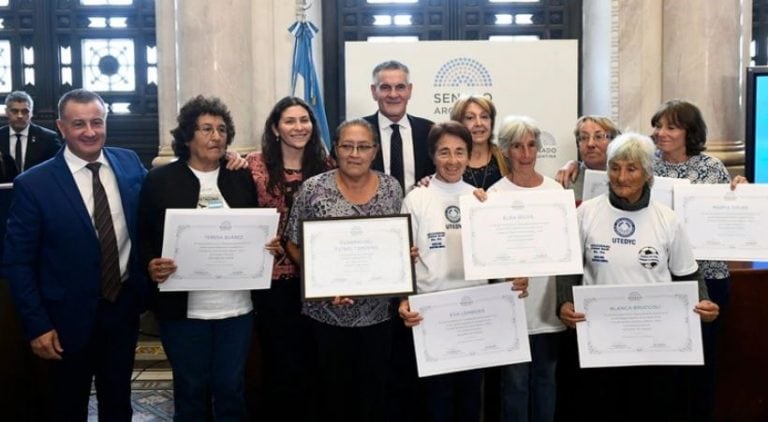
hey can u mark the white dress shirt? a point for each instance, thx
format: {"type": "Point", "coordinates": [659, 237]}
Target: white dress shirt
{"type": "Point", "coordinates": [84, 180]}
{"type": "Point", "coordinates": [406, 133]}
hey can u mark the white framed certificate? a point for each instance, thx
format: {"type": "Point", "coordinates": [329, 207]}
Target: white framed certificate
{"type": "Point", "coordinates": [219, 249]}
{"type": "Point", "coordinates": [471, 328]}
{"type": "Point", "coordinates": [722, 224]}
{"type": "Point", "coordinates": [596, 184]}
{"type": "Point", "coordinates": [633, 325]}
{"type": "Point", "coordinates": [520, 234]}
{"type": "Point", "coordinates": [357, 256]}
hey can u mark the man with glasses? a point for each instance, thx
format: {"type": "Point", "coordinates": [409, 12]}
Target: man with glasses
{"type": "Point", "coordinates": [402, 137]}
{"type": "Point", "coordinates": [23, 143]}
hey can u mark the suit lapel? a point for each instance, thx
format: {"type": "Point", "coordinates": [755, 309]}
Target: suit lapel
{"type": "Point", "coordinates": [5, 144]}
{"type": "Point", "coordinates": [63, 178]}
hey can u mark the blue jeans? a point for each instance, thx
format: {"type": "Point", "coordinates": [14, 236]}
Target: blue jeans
{"type": "Point", "coordinates": [208, 361]}
{"type": "Point", "coordinates": [528, 390]}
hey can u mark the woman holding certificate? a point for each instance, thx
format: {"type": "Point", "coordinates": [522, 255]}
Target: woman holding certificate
{"type": "Point", "coordinates": [206, 334]}
{"type": "Point", "coordinates": [291, 152]}
{"type": "Point", "coordinates": [528, 389]}
{"type": "Point", "coordinates": [353, 337]}
{"type": "Point", "coordinates": [436, 224]}
{"type": "Point", "coordinates": [680, 134]}
{"type": "Point", "coordinates": [629, 239]}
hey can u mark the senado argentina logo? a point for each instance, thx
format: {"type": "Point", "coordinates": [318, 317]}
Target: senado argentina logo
{"type": "Point", "coordinates": [462, 72]}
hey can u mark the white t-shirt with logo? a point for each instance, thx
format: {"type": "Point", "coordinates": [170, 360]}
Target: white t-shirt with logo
{"type": "Point", "coordinates": [542, 291]}
{"type": "Point", "coordinates": [215, 304]}
{"type": "Point", "coordinates": [436, 225]}
{"type": "Point", "coordinates": [632, 247]}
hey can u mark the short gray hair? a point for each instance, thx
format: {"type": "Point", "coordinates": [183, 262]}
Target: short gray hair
{"type": "Point", "coordinates": [19, 97]}
{"type": "Point", "coordinates": [633, 146]}
{"type": "Point", "coordinates": [513, 128]}
{"type": "Point", "coordinates": [390, 65]}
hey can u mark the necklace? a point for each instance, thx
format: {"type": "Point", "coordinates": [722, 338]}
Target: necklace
{"type": "Point", "coordinates": [485, 173]}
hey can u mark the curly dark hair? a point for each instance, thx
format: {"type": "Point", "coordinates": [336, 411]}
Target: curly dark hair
{"type": "Point", "coordinates": [314, 159]}
{"type": "Point", "coordinates": [187, 122]}
{"type": "Point", "coordinates": [687, 116]}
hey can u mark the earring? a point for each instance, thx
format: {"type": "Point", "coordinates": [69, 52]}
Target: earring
{"type": "Point", "coordinates": [277, 138]}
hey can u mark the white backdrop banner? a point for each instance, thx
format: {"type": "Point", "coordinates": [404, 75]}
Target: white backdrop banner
{"type": "Point", "coordinates": [533, 78]}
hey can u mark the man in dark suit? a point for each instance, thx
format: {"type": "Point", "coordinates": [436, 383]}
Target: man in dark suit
{"type": "Point", "coordinates": [403, 138]}
{"type": "Point", "coordinates": [73, 272]}
{"type": "Point", "coordinates": [35, 143]}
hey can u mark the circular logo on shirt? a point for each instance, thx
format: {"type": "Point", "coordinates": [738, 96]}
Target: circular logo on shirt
{"type": "Point", "coordinates": [624, 227]}
{"type": "Point", "coordinates": [453, 214]}
{"type": "Point", "coordinates": [648, 257]}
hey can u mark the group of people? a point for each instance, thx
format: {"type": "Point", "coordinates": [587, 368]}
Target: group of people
{"type": "Point", "coordinates": [82, 274]}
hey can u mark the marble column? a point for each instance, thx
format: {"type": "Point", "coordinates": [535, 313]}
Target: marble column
{"type": "Point", "coordinates": [621, 52]}
{"type": "Point", "coordinates": [704, 62]}
{"type": "Point", "coordinates": [237, 50]}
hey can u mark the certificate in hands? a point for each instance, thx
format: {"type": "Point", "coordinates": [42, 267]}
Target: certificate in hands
{"type": "Point", "coordinates": [354, 256]}
{"type": "Point", "coordinates": [723, 224]}
{"type": "Point", "coordinates": [632, 325]}
{"type": "Point", "coordinates": [476, 327]}
{"type": "Point", "coordinates": [219, 249]}
{"type": "Point", "coordinates": [520, 234]}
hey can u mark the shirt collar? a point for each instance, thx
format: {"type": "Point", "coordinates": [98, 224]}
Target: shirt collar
{"type": "Point", "coordinates": [24, 132]}
{"type": "Point", "coordinates": [76, 163]}
{"type": "Point", "coordinates": [384, 121]}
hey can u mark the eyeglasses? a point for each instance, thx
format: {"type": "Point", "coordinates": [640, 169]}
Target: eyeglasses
{"type": "Point", "coordinates": [207, 130]}
{"type": "Point", "coordinates": [350, 148]}
{"type": "Point", "coordinates": [598, 137]}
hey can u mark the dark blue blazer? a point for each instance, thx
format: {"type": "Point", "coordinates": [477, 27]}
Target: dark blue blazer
{"type": "Point", "coordinates": [52, 252]}
{"type": "Point", "coordinates": [420, 129]}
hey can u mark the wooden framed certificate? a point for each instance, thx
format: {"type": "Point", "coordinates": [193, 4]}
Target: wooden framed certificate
{"type": "Point", "coordinates": [357, 256]}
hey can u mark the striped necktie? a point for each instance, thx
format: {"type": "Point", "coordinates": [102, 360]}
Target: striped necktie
{"type": "Point", "coordinates": [102, 219]}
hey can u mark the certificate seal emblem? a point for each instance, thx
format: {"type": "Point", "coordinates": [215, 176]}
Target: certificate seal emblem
{"type": "Point", "coordinates": [225, 226]}
{"type": "Point", "coordinates": [466, 301]}
{"type": "Point", "coordinates": [648, 257]}
{"type": "Point", "coordinates": [624, 227]}
{"type": "Point", "coordinates": [634, 296]}
{"type": "Point", "coordinates": [453, 214]}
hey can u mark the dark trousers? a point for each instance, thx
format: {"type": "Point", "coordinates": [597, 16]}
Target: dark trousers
{"type": "Point", "coordinates": [288, 354]}
{"type": "Point", "coordinates": [699, 382]}
{"type": "Point", "coordinates": [353, 365]}
{"type": "Point", "coordinates": [208, 362]}
{"type": "Point", "coordinates": [403, 403]}
{"type": "Point", "coordinates": [108, 357]}
{"type": "Point", "coordinates": [454, 397]}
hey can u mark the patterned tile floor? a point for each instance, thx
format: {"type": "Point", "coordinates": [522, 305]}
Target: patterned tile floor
{"type": "Point", "coordinates": [152, 386]}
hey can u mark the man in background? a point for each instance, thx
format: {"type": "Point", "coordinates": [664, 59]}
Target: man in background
{"type": "Point", "coordinates": [23, 143]}
{"type": "Point", "coordinates": [403, 138]}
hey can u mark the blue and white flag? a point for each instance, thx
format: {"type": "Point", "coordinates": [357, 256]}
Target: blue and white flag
{"type": "Point", "coordinates": [304, 65]}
